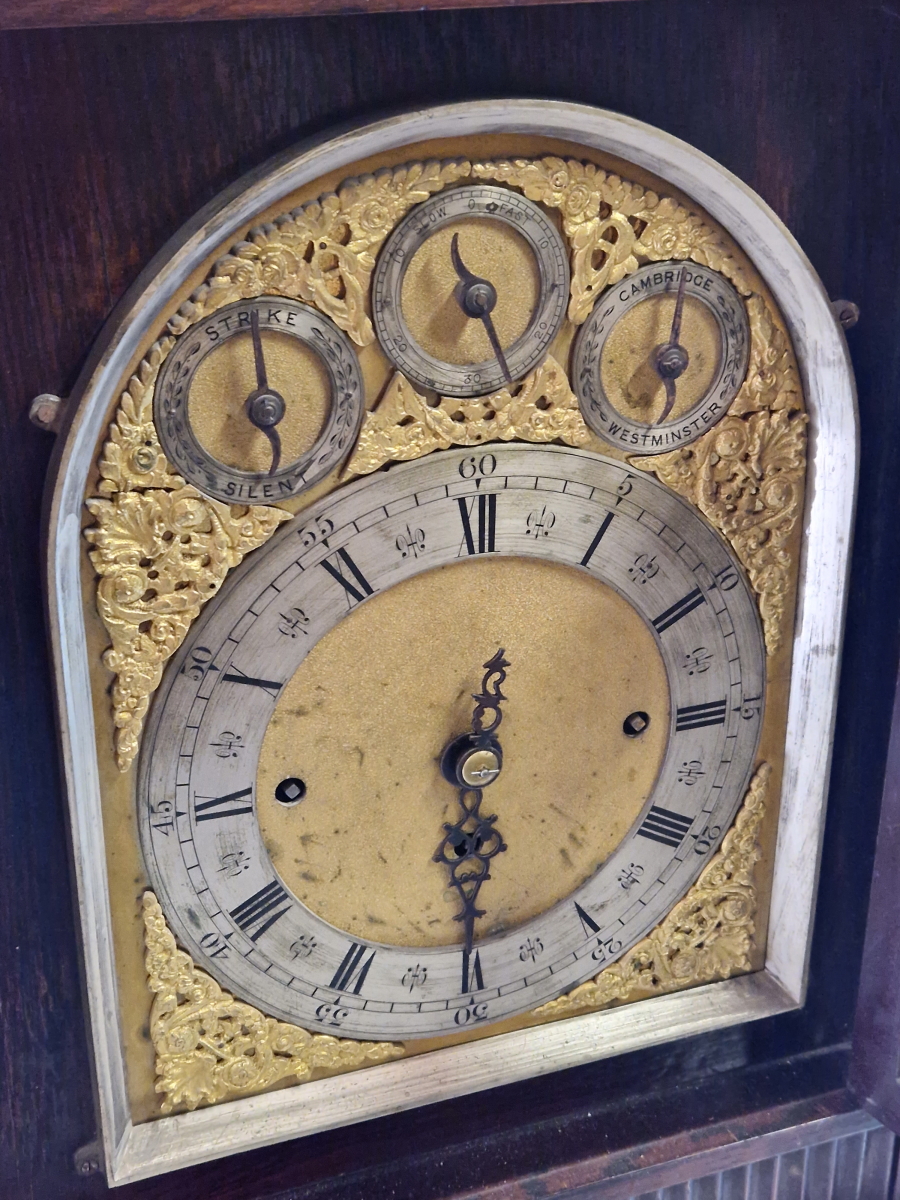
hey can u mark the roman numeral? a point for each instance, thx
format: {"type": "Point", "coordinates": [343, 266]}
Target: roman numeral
{"type": "Point", "coordinates": [351, 974]}
{"type": "Point", "coordinates": [696, 716]}
{"type": "Point", "coordinates": [480, 540]}
{"type": "Point", "coordinates": [472, 979]}
{"type": "Point", "coordinates": [588, 924]}
{"type": "Point", "coordinates": [598, 538]}
{"type": "Point", "coordinates": [236, 675]}
{"type": "Point", "coordinates": [231, 802]}
{"type": "Point", "coordinates": [663, 825]}
{"type": "Point", "coordinates": [685, 605]}
{"type": "Point", "coordinates": [357, 587]}
{"type": "Point", "coordinates": [258, 909]}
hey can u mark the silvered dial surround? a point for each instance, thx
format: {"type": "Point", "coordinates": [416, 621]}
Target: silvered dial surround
{"type": "Point", "coordinates": [599, 410]}
{"type": "Point", "coordinates": [197, 807]}
{"type": "Point", "coordinates": [470, 202]}
{"type": "Point", "coordinates": [336, 439]}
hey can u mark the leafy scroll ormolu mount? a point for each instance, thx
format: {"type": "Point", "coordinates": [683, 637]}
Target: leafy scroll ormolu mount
{"type": "Point", "coordinates": [612, 225]}
{"type": "Point", "coordinates": [746, 474]}
{"type": "Point", "coordinates": [708, 935]}
{"type": "Point", "coordinates": [161, 550]}
{"type": "Point", "coordinates": [324, 251]}
{"type": "Point", "coordinates": [211, 1047]}
{"type": "Point", "coordinates": [543, 408]}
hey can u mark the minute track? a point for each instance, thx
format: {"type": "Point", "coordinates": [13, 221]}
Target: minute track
{"type": "Point", "coordinates": [582, 490]}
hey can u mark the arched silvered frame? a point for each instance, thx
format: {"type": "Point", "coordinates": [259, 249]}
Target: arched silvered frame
{"type": "Point", "coordinates": [136, 1151]}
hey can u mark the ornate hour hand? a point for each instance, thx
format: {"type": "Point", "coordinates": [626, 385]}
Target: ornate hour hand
{"type": "Point", "coordinates": [671, 359]}
{"type": "Point", "coordinates": [471, 762]}
{"type": "Point", "coordinates": [265, 407]}
{"type": "Point", "coordinates": [477, 298]}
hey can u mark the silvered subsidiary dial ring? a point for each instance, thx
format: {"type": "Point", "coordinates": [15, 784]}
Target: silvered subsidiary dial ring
{"type": "Point", "coordinates": [470, 290]}
{"type": "Point", "coordinates": [270, 369]}
{"type": "Point", "coordinates": [661, 357]}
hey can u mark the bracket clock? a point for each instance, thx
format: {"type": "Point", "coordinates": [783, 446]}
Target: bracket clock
{"type": "Point", "coordinates": [447, 559]}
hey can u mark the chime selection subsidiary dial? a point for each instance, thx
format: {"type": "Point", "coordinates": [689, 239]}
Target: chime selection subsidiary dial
{"type": "Point", "coordinates": [661, 357]}
{"type": "Point", "coordinates": [259, 401]}
{"type": "Point", "coordinates": [470, 290]}
{"type": "Point", "coordinates": [312, 772]}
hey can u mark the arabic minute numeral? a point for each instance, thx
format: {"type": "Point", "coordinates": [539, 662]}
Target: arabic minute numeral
{"type": "Point", "coordinates": [606, 949]}
{"type": "Point", "coordinates": [164, 814]}
{"type": "Point", "coordinates": [198, 663]}
{"type": "Point", "coordinates": [319, 531]}
{"type": "Point", "coordinates": [472, 1012]}
{"type": "Point", "coordinates": [726, 579]}
{"type": "Point", "coordinates": [472, 466]}
{"type": "Point", "coordinates": [625, 487]}
{"type": "Point", "coordinates": [704, 840]}
{"type": "Point", "coordinates": [331, 1014]}
{"type": "Point", "coordinates": [215, 945]}
{"type": "Point", "coordinates": [749, 707]}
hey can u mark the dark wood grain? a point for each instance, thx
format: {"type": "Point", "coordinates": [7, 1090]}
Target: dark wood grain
{"type": "Point", "coordinates": [110, 138]}
{"type": "Point", "coordinates": [42, 14]}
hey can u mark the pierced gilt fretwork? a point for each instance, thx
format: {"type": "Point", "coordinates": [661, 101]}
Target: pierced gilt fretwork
{"type": "Point", "coordinates": [746, 474]}
{"type": "Point", "coordinates": [707, 936]}
{"type": "Point", "coordinates": [161, 549]}
{"type": "Point", "coordinates": [612, 225]}
{"type": "Point", "coordinates": [543, 408]}
{"type": "Point", "coordinates": [323, 252]}
{"type": "Point", "coordinates": [211, 1047]}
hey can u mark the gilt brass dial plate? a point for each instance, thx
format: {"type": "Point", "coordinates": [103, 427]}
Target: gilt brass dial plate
{"type": "Point", "coordinates": [199, 800]}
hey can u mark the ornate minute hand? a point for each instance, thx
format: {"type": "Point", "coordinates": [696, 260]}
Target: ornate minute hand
{"type": "Point", "coordinates": [265, 407]}
{"type": "Point", "coordinates": [477, 298]}
{"type": "Point", "coordinates": [671, 359]}
{"type": "Point", "coordinates": [472, 762]}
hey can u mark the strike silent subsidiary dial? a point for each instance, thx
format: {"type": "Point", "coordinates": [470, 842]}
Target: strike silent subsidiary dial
{"type": "Point", "coordinates": [470, 290]}
{"type": "Point", "coordinates": [661, 357]}
{"type": "Point", "coordinates": [260, 401]}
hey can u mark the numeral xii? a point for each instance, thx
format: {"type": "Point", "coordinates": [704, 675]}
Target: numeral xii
{"type": "Point", "coordinates": [482, 538]}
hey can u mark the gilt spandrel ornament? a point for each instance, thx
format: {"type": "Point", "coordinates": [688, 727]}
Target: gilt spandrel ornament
{"type": "Point", "coordinates": [211, 1047]}
{"type": "Point", "coordinates": [707, 936]}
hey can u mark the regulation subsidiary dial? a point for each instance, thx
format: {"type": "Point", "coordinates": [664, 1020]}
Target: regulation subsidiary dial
{"type": "Point", "coordinates": [470, 290]}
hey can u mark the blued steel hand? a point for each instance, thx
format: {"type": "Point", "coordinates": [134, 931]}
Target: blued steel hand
{"type": "Point", "coordinates": [477, 298]}
{"type": "Point", "coordinates": [671, 359]}
{"type": "Point", "coordinates": [265, 407]}
{"type": "Point", "coordinates": [468, 845]}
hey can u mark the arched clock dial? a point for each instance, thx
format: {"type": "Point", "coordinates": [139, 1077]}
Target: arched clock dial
{"type": "Point", "coordinates": [661, 356]}
{"type": "Point", "coordinates": [259, 401]}
{"type": "Point", "coordinates": [470, 290]}
{"type": "Point", "coordinates": [217, 802]}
